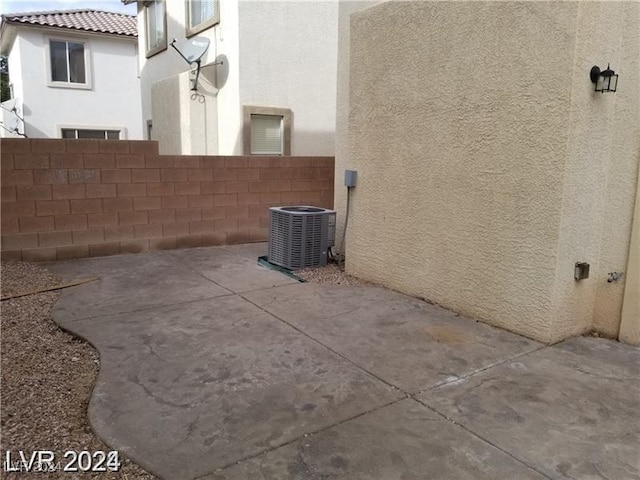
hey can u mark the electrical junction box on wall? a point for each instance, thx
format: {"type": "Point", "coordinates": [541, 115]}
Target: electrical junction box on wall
{"type": "Point", "coordinates": [581, 271]}
{"type": "Point", "coordinates": [350, 178]}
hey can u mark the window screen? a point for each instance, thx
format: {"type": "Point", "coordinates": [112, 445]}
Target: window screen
{"type": "Point", "coordinates": [156, 35]}
{"type": "Point", "coordinates": [200, 11]}
{"type": "Point", "coordinates": [266, 135]}
{"type": "Point", "coordinates": [67, 62]}
{"type": "Point", "coordinates": [58, 52]}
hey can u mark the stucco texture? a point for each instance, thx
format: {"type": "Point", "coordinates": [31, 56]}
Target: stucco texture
{"type": "Point", "coordinates": [487, 166]}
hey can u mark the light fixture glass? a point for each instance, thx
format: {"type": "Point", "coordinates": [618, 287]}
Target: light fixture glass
{"type": "Point", "coordinates": [605, 80]}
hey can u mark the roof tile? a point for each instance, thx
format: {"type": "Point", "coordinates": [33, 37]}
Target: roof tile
{"type": "Point", "coordinates": [84, 20]}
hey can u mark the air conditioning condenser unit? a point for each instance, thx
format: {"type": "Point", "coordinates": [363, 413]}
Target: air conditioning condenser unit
{"type": "Point", "coordinates": [300, 236]}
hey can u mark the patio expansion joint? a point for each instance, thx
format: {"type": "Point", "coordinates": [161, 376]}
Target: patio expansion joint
{"type": "Point", "coordinates": [347, 359]}
{"type": "Point", "coordinates": [469, 430]}
{"type": "Point", "coordinates": [183, 267]}
{"type": "Point", "coordinates": [406, 396]}
{"type": "Point", "coordinates": [482, 438]}
{"type": "Point", "coordinates": [298, 438]}
{"type": "Point", "coordinates": [481, 370]}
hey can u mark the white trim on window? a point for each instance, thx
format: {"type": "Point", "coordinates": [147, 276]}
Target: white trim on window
{"type": "Point", "coordinates": [122, 131]}
{"type": "Point", "coordinates": [69, 41]}
{"type": "Point", "coordinates": [155, 14]}
{"type": "Point", "coordinates": [201, 15]}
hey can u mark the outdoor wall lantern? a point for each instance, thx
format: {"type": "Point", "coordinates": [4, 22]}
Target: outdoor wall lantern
{"type": "Point", "coordinates": [605, 81]}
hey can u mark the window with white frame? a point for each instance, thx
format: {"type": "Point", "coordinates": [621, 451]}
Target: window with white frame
{"type": "Point", "coordinates": [90, 133]}
{"type": "Point", "coordinates": [155, 17]}
{"type": "Point", "coordinates": [201, 14]}
{"type": "Point", "coordinates": [69, 63]}
{"type": "Point", "coordinates": [266, 131]}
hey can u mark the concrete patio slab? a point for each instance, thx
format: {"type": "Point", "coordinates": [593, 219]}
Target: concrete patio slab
{"type": "Point", "coordinates": [572, 410]}
{"type": "Point", "coordinates": [402, 441]}
{"type": "Point", "coordinates": [128, 283]}
{"type": "Point", "coordinates": [210, 371]}
{"type": "Point", "coordinates": [402, 340]}
{"type": "Point", "coordinates": [234, 268]}
{"type": "Point", "coordinates": [189, 388]}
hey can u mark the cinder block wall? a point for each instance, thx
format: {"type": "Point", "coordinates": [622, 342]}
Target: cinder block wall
{"type": "Point", "coordinates": [66, 199]}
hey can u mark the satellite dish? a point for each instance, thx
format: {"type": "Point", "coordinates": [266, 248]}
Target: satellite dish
{"type": "Point", "coordinates": [195, 49]}
{"type": "Point", "coordinates": [13, 123]}
{"type": "Point", "coordinates": [9, 104]}
{"type": "Point", "coordinates": [192, 53]}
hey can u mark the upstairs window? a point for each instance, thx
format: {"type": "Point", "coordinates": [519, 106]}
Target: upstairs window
{"type": "Point", "coordinates": [155, 15]}
{"type": "Point", "coordinates": [201, 14]}
{"type": "Point", "coordinates": [68, 61]}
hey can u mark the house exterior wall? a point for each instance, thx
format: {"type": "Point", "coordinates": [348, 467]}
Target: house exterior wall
{"type": "Point", "coordinates": [113, 100]}
{"type": "Point", "coordinates": [16, 70]}
{"type": "Point", "coordinates": [275, 54]}
{"type": "Point", "coordinates": [78, 198]}
{"type": "Point", "coordinates": [630, 318]}
{"type": "Point", "coordinates": [16, 74]}
{"type": "Point", "coordinates": [601, 170]}
{"type": "Point", "coordinates": [487, 166]}
{"type": "Point", "coordinates": [288, 59]}
{"type": "Point", "coordinates": [345, 10]}
{"type": "Point", "coordinates": [163, 77]}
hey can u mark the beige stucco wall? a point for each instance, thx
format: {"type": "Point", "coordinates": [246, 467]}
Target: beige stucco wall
{"type": "Point", "coordinates": [345, 9]}
{"type": "Point", "coordinates": [630, 317]}
{"type": "Point", "coordinates": [622, 160]}
{"type": "Point", "coordinates": [487, 166]}
{"type": "Point", "coordinates": [182, 119]}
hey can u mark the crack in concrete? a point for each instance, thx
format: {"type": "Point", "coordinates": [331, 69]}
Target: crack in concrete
{"type": "Point", "coordinates": [135, 379]}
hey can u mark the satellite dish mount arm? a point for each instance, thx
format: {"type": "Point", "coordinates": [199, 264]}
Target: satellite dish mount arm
{"type": "Point", "coordinates": [195, 80]}
{"type": "Point", "coordinates": [173, 44]}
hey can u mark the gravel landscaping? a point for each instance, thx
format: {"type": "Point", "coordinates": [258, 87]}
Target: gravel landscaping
{"type": "Point", "coordinates": [328, 274]}
{"type": "Point", "coordinates": [47, 379]}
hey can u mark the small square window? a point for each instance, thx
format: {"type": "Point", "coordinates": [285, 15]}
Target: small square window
{"type": "Point", "coordinates": [68, 61]}
{"type": "Point", "coordinates": [267, 131]}
{"type": "Point", "coordinates": [266, 135]}
{"type": "Point", "coordinates": [201, 14]}
{"type": "Point", "coordinates": [155, 17]}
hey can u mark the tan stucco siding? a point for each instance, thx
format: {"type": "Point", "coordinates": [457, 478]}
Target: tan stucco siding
{"type": "Point", "coordinates": [630, 321]}
{"type": "Point", "coordinates": [623, 161]}
{"type": "Point", "coordinates": [471, 190]}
